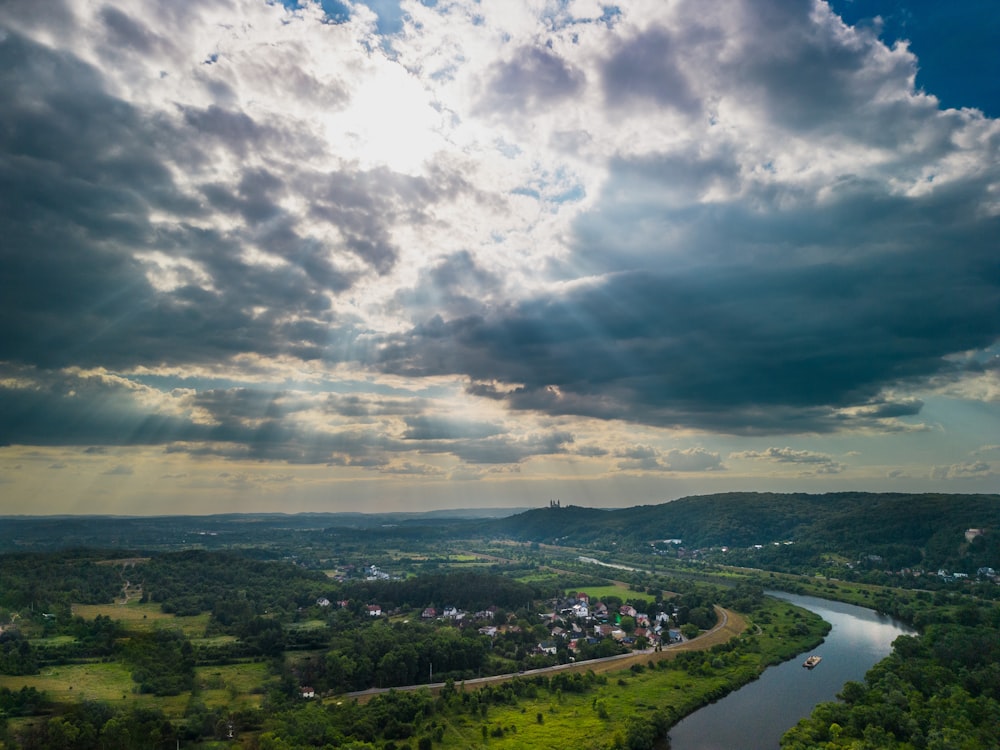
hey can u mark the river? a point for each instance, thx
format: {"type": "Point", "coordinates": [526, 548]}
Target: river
{"type": "Point", "coordinates": [755, 716]}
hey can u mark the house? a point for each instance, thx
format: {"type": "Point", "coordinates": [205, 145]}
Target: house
{"type": "Point", "coordinates": [600, 610]}
{"type": "Point", "coordinates": [547, 647]}
{"type": "Point", "coordinates": [374, 610]}
{"type": "Point", "coordinates": [489, 630]}
{"type": "Point", "coordinates": [323, 602]}
{"type": "Point", "coordinates": [626, 610]}
{"type": "Point", "coordinates": [451, 612]}
{"type": "Point", "coordinates": [429, 614]}
{"type": "Point", "coordinates": [307, 692]}
{"type": "Point", "coordinates": [581, 610]}
{"type": "Point", "coordinates": [642, 619]}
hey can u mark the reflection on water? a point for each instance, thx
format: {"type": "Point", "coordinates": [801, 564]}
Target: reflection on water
{"type": "Point", "coordinates": [755, 717]}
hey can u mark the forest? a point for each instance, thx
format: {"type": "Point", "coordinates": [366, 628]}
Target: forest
{"type": "Point", "coordinates": [939, 691]}
{"type": "Point", "coordinates": [262, 637]}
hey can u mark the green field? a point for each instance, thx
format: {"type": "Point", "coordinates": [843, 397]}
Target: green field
{"type": "Point", "coordinates": [587, 720]}
{"type": "Point", "coordinates": [145, 616]}
{"type": "Point", "coordinates": [235, 685]}
{"type": "Point", "coordinates": [307, 625]}
{"type": "Point", "coordinates": [105, 681]}
{"type": "Point", "coordinates": [597, 593]}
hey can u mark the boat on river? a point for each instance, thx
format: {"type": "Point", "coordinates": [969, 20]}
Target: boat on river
{"type": "Point", "coordinates": [812, 661]}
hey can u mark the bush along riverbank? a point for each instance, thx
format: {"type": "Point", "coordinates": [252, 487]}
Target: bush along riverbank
{"type": "Point", "coordinates": [939, 690]}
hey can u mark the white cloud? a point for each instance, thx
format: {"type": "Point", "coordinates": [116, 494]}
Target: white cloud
{"type": "Point", "coordinates": [510, 233]}
{"type": "Point", "coordinates": [817, 463]}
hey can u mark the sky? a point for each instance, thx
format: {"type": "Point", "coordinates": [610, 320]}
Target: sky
{"type": "Point", "coordinates": [400, 255]}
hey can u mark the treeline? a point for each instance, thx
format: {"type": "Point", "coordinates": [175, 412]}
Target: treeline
{"type": "Point", "coordinates": [466, 590]}
{"type": "Point", "coordinates": [98, 726]}
{"type": "Point", "coordinates": [195, 581]}
{"type": "Point", "coordinates": [184, 583]}
{"type": "Point", "coordinates": [938, 691]}
{"type": "Point", "coordinates": [383, 655]}
{"type": "Point", "coordinates": [50, 582]}
{"type": "Point", "coordinates": [901, 529]}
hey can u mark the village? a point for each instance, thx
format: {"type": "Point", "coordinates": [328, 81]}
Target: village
{"type": "Point", "coordinates": [574, 627]}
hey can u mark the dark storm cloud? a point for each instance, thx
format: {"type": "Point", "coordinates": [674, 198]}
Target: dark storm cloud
{"type": "Point", "coordinates": [83, 172]}
{"type": "Point", "coordinates": [45, 408]}
{"type": "Point", "coordinates": [236, 130]}
{"type": "Point", "coordinates": [63, 409]}
{"type": "Point", "coordinates": [456, 286]}
{"type": "Point", "coordinates": [39, 407]}
{"type": "Point", "coordinates": [534, 78]}
{"type": "Point", "coordinates": [752, 346]}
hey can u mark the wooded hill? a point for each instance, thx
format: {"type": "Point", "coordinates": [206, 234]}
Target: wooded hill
{"type": "Point", "coordinates": [926, 529]}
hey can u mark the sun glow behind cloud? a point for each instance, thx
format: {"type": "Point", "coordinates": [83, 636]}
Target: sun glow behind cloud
{"type": "Point", "coordinates": [388, 123]}
{"type": "Point", "coordinates": [257, 251]}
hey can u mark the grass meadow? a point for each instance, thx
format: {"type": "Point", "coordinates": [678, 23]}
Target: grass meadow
{"type": "Point", "coordinates": [145, 616]}
{"type": "Point", "coordinates": [598, 593]}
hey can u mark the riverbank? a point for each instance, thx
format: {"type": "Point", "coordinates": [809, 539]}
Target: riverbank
{"type": "Point", "coordinates": [648, 696]}
{"type": "Point", "coordinates": [758, 715]}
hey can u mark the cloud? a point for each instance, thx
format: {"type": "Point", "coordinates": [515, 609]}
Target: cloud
{"type": "Point", "coordinates": [121, 470]}
{"type": "Point", "coordinates": [647, 458]}
{"type": "Point", "coordinates": [534, 77]}
{"type": "Point", "coordinates": [646, 69]}
{"type": "Point", "coordinates": [416, 238]}
{"type": "Point", "coordinates": [964, 470]}
{"type": "Point", "coordinates": [114, 259]}
{"type": "Point", "coordinates": [710, 350]}
{"type": "Point", "coordinates": [817, 463]}
{"type": "Point", "coordinates": [443, 428]}
{"type": "Point", "coordinates": [99, 409]}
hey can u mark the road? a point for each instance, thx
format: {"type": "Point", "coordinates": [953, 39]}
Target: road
{"type": "Point", "coordinates": [729, 624]}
